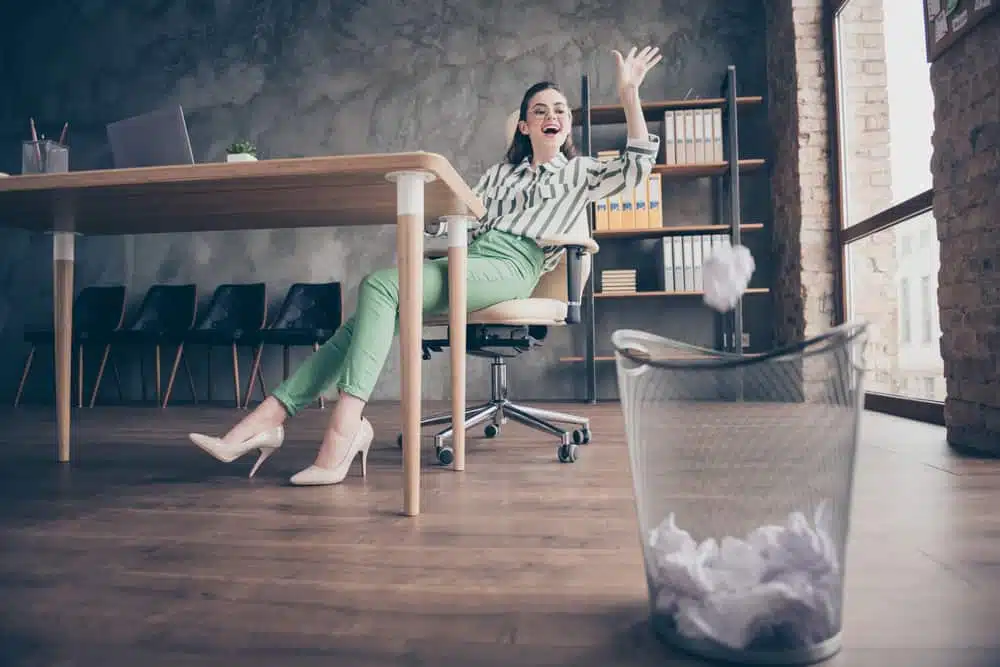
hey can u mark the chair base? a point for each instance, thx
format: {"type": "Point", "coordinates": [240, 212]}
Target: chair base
{"type": "Point", "coordinates": [499, 409]}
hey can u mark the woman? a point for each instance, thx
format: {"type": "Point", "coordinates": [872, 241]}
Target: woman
{"type": "Point", "coordinates": [539, 191]}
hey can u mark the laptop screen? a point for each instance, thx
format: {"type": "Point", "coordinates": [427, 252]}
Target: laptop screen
{"type": "Point", "coordinates": [155, 139]}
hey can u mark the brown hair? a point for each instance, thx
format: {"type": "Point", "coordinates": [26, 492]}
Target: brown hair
{"type": "Point", "coordinates": [520, 145]}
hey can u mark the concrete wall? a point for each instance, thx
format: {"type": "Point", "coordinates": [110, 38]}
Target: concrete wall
{"type": "Point", "coordinates": [316, 77]}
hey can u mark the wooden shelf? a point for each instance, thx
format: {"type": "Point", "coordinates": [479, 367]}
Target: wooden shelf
{"type": "Point", "coordinates": [661, 293]}
{"type": "Point", "coordinates": [708, 169]}
{"type": "Point", "coordinates": [672, 230]}
{"type": "Point", "coordinates": [609, 114]}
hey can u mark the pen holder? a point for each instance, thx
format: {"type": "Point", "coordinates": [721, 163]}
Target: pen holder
{"type": "Point", "coordinates": [44, 157]}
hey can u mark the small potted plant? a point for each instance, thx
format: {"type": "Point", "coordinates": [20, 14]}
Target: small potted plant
{"type": "Point", "coordinates": [241, 151]}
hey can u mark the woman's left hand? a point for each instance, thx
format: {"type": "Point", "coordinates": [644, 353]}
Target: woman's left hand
{"type": "Point", "coordinates": [633, 67]}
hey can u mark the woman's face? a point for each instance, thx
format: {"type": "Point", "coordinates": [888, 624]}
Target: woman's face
{"type": "Point", "coordinates": [548, 121]}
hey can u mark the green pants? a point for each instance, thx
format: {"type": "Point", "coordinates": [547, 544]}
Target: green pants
{"type": "Point", "coordinates": [501, 266]}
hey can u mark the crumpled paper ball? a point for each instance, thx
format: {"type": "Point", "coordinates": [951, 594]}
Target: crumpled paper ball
{"type": "Point", "coordinates": [782, 582]}
{"type": "Point", "coordinates": [726, 274]}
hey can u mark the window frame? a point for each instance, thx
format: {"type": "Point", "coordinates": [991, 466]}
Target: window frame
{"type": "Point", "coordinates": [902, 406]}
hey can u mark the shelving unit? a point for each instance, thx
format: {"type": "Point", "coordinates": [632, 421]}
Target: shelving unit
{"type": "Point", "coordinates": [727, 217]}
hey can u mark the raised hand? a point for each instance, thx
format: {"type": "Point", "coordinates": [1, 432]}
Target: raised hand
{"type": "Point", "coordinates": [632, 68]}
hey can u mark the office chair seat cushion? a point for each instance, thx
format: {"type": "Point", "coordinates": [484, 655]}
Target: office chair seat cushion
{"type": "Point", "coordinates": [515, 312]}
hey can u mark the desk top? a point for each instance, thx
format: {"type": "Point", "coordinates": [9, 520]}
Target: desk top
{"type": "Point", "coordinates": [268, 194]}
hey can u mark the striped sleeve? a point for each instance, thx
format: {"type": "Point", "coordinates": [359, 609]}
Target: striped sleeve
{"type": "Point", "coordinates": [606, 178]}
{"type": "Point", "coordinates": [481, 188]}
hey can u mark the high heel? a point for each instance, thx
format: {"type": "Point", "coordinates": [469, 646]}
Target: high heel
{"type": "Point", "coordinates": [360, 443]}
{"type": "Point", "coordinates": [267, 442]}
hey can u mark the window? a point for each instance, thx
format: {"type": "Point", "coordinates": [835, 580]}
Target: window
{"type": "Point", "coordinates": [904, 310]}
{"type": "Point", "coordinates": [928, 310]}
{"type": "Point", "coordinates": [885, 121]}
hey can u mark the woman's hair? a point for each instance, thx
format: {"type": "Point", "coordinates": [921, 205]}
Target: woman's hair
{"type": "Point", "coordinates": [520, 145]}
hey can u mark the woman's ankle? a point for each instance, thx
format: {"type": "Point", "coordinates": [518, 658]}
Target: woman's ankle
{"type": "Point", "coordinates": [268, 414]}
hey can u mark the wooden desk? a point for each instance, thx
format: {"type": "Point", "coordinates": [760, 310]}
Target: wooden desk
{"type": "Point", "coordinates": [400, 189]}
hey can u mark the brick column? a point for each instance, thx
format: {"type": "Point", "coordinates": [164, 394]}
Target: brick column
{"type": "Point", "coordinates": [803, 245]}
{"type": "Point", "coordinates": [966, 171]}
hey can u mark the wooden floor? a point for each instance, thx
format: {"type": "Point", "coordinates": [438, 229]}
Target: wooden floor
{"type": "Point", "coordinates": [146, 552]}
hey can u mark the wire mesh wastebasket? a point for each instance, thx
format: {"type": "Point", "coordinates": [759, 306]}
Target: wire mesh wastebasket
{"type": "Point", "coordinates": [743, 469]}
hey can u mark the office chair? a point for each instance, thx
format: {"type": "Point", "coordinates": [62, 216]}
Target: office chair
{"type": "Point", "coordinates": [513, 327]}
{"type": "Point", "coordinates": [97, 311]}
{"type": "Point", "coordinates": [235, 314]}
{"type": "Point", "coordinates": [309, 315]}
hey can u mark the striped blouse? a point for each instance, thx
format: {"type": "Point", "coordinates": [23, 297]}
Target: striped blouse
{"type": "Point", "coordinates": [552, 200]}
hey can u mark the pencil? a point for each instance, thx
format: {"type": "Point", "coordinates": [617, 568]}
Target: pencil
{"type": "Point", "coordinates": [34, 138]}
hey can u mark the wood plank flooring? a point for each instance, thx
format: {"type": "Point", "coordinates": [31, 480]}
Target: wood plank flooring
{"type": "Point", "coordinates": [145, 551]}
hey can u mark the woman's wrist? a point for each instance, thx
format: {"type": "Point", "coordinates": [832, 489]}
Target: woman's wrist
{"type": "Point", "coordinates": [628, 93]}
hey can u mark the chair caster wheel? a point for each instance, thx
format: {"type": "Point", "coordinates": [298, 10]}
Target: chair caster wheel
{"type": "Point", "coordinates": [491, 431]}
{"type": "Point", "coordinates": [582, 436]}
{"type": "Point", "coordinates": [445, 455]}
{"type": "Point", "coordinates": [567, 453]}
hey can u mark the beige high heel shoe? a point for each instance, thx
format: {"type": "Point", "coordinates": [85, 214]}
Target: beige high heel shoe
{"type": "Point", "coordinates": [360, 443]}
{"type": "Point", "coordinates": [268, 442]}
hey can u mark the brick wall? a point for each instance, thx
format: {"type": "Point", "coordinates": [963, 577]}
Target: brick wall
{"type": "Point", "coordinates": [966, 169]}
{"type": "Point", "coordinates": [867, 183]}
{"type": "Point", "coordinates": [803, 244]}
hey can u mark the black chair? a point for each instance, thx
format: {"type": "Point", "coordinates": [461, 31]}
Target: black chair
{"type": "Point", "coordinates": [167, 312]}
{"type": "Point", "coordinates": [97, 311]}
{"type": "Point", "coordinates": [235, 312]}
{"type": "Point", "coordinates": [309, 315]}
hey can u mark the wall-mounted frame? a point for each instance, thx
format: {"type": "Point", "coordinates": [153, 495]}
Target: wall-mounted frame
{"type": "Point", "coordinates": [947, 21]}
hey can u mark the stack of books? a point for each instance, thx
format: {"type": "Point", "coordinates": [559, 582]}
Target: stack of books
{"type": "Point", "coordinates": [681, 260]}
{"type": "Point", "coordinates": [638, 208]}
{"type": "Point", "coordinates": [618, 281]}
{"type": "Point", "coordinates": [693, 136]}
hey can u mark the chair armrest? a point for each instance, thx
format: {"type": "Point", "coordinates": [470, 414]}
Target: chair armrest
{"type": "Point", "coordinates": [586, 243]}
{"type": "Point", "coordinates": [438, 228]}
{"type": "Point", "coordinates": [575, 266]}
{"type": "Point", "coordinates": [577, 249]}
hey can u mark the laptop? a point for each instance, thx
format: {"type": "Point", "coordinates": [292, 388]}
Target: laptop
{"type": "Point", "coordinates": [155, 139]}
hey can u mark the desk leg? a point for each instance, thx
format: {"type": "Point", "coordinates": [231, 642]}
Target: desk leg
{"type": "Point", "coordinates": [457, 319]}
{"type": "Point", "coordinates": [410, 250]}
{"type": "Point", "coordinates": [62, 281]}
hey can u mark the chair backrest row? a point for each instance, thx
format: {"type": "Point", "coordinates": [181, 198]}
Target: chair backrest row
{"type": "Point", "coordinates": [233, 307]}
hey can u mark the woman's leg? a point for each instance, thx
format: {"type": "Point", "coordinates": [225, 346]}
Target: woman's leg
{"type": "Point", "coordinates": [314, 377]}
{"type": "Point", "coordinates": [353, 369]}
{"type": "Point", "coordinates": [376, 321]}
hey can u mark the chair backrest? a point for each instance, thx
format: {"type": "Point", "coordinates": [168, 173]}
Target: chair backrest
{"type": "Point", "coordinates": [552, 285]}
{"type": "Point", "coordinates": [99, 309]}
{"type": "Point", "coordinates": [235, 308]}
{"type": "Point", "coordinates": [311, 306]}
{"type": "Point", "coordinates": [167, 309]}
